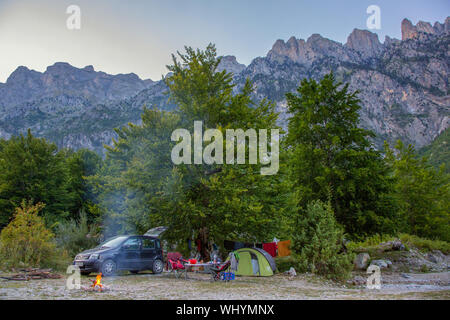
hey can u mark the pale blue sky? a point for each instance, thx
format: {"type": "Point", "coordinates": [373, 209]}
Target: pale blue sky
{"type": "Point", "coordinates": [119, 36]}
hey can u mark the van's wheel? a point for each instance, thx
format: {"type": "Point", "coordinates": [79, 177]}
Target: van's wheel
{"type": "Point", "coordinates": [109, 268]}
{"type": "Point", "coordinates": [134, 271]}
{"type": "Point", "coordinates": [157, 266]}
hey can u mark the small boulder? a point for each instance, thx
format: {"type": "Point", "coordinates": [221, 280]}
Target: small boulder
{"type": "Point", "coordinates": [361, 261]}
{"type": "Point", "coordinates": [398, 245]}
{"type": "Point", "coordinates": [435, 256]}
{"type": "Point", "coordinates": [292, 272]}
{"type": "Point", "coordinates": [381, 263]}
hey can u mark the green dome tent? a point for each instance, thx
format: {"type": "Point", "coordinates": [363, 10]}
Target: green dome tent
{"type": "Point", "coordinates": [255, 262]}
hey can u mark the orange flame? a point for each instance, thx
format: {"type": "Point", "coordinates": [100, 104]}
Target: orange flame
{"type": "Point", "coordinates": [97, 282]}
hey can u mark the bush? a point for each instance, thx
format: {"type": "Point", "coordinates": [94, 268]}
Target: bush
{"type": "Point", "coordinates": [75, 236]}
{"type": "Point", "coordinates": [25, 241]}
{"type": "Point", "coordinates": [425, 244]}
{"type": "Point", "coordinates": [318, 243]}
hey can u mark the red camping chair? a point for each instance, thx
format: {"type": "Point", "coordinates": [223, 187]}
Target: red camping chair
{"type": "Point", "coordinates": [175, 263]}
{"type": "Point", "coordinates": [217, 272]}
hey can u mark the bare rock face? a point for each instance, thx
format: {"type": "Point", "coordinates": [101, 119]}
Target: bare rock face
{"type": "Point", "coordinates": [390, 41]}
{"type": "Point", "coordinates": [425, 27]}
{"type": "Point", "coordinates": [364, 42]}
{"type": "Point", "coordinates": [403, 84]}
{"type": "Point", "coordinates": [409, 31]}
{"type": "Point", "coordinates": [25, 85]}
{"type": "Point", "coordinates": [230, 64]}
{"type": "Point", "coordinates": [307, 52]}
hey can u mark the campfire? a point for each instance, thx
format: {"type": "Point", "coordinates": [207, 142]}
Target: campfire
{"type": "Point", "coordinates": [96, 285]}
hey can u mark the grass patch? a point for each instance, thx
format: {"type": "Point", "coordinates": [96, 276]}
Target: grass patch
{"type": "Point", "coordinates": [425, 245]}
{"type": "Point", "coordinates": [371, 244]}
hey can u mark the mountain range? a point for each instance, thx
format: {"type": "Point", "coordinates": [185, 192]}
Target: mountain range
{"type": "Point", "coordinates": [403, 87]}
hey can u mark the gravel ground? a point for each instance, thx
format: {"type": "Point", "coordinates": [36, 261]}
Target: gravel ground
{"type": "Point", "coordinates": [198, 286]}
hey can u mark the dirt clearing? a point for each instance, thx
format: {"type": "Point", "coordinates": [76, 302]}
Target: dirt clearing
{"type": "Point", "coordinates": [198, 286]}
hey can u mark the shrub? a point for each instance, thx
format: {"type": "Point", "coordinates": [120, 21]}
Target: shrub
{"type": "Point", "coordinates": [425, 244]}
{"type": "Point", "coordinates": [75, 236]}
{"type": "Point", "coordinates": [25, 241]}
{"type": "Point", "coordinates": [318, 243]}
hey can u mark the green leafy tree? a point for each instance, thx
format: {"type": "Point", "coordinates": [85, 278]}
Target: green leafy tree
{"type": "Point", "coordinates": [318, 243]}
{"type": "Point", "coordinates": [32, 168]}
{"type": "Point", "coordinates": [422, 191]}
{"type": "Point", "coordinates": [80, 165]}
{"type": "Point", "coordinates": [26, 240]}
{"type": "Point", "coordinates": [331, 158]}
{"type": "Point", "coordinates": [205, 201]}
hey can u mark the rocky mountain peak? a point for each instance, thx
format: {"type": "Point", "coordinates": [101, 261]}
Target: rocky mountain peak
{"type": "Point", "coordinates": [402, 97]}
{"type": "Point", "coordinates": [315, 37]}
{"type": "Point", "coordinates": [442, 27]}
{"type": "Point", "coordinates": [20, 75]}
{"type": "Point", "coordinates": [425, 27]}
{"type": "Point", "coordinates": [365, 42]}
{"type": "Point", "coordinates": [279, 47]}
{"type": "Point", "coordinates": [411, 31]}
{"type": "Point", "coordinates": [230, 64]}
{"type": "Point", "coordinates": [89, 68]}
{"type": "Point", "coordinates": [292, 41]}
{"type": "Point", "coordinates": [304, 52]}
{"type": "Point", "coordinates": [25, 85]}
{"type": "Point", "coordinates": [289, 49]}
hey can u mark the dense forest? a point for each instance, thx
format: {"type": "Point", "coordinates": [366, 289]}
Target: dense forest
{"type": "Point", "coordinates": [332, 183]}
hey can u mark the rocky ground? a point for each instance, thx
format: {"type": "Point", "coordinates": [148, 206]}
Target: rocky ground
{"type": "Point", "coordinates": [198, 286]}
{"type": "Point", "coordinates": [406, 273]}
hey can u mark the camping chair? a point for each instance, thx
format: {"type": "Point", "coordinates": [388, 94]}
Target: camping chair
{"type": "Point", "coordinates": [176, 264]}
{"type": "Point", "coordinates": [217, 272]}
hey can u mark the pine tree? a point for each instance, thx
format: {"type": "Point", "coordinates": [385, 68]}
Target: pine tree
{"type": "Point", "coordinates": [318, 243]}
{"type": "Point", "coordinates": [422, 191]}
{"type": "Point", "coordinates": [331, 158]}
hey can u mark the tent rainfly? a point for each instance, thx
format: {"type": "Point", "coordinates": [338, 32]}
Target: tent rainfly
{"type": "Point", "coordinates": [255, 262]}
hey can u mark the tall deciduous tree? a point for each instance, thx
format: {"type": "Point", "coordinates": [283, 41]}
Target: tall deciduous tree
{"type": "Point", "coordinates": [204, 201]}
{"type": "Point", "coordinates": [332, 159]}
